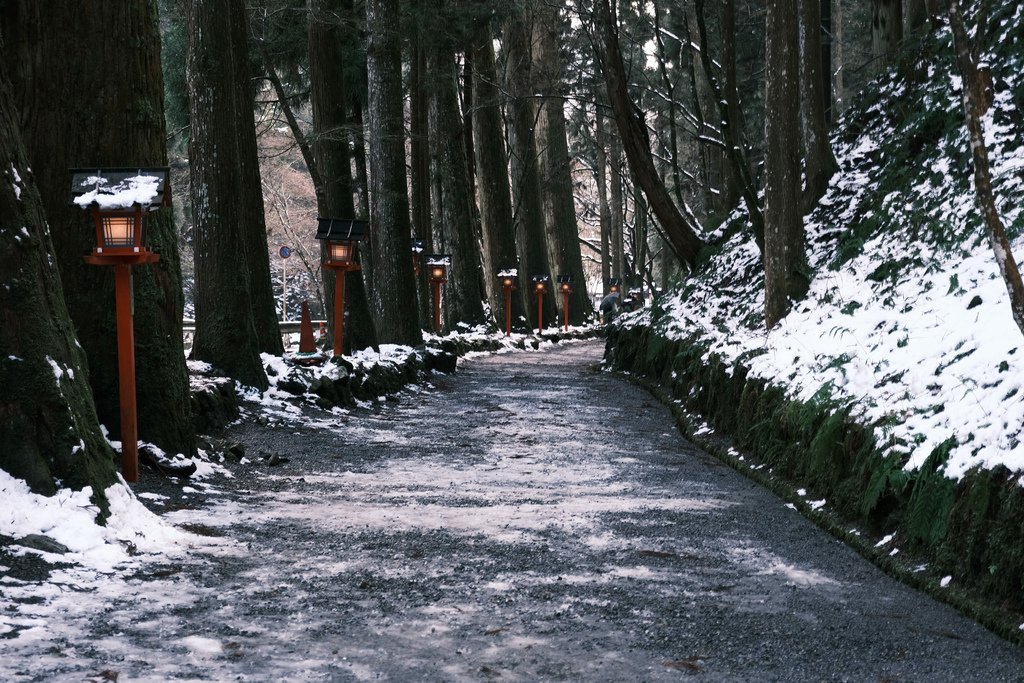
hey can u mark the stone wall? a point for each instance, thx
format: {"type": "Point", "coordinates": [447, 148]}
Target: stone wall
{"type": "Point", "coordinates": [971, 530]}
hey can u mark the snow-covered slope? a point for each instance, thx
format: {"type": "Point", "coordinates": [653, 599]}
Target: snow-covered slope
{"type": "Point", "coordinates": [907, 318]}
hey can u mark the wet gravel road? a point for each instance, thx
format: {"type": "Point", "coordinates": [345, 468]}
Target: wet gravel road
{"type": "Point", "coordinates": [529, 519]}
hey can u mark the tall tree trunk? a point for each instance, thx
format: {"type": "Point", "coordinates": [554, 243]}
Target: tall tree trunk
{"type": "Point", "coordinates": [225, 326]}
{"type": "Point", "coordinates": [680, 230]}
{"type": "Point", "coordinates": [710, 120]}
{"type": "Point", "coordinates": [602, 197]}
{"type": "Point", "coordinates": [463, 300]}
{"type": "Point", "coordinates": [976, 103]}
{"type": "Point", "coordinates": [48, 426]}
{"type": "Point", "coordinates": [672, 113]}
{"type": "Point", "coordinates": [330, 99]}
{"type": "Point", "coordinates": [886, 29]}
{"type": "Point", "coordinates": [825, 9]}
{"type": "Point", "coordinates": [533, 253]}
{"type": "Point", "coordinates": [89, 86]}
{"type": "Point", "coordinates": [916, 16]}
{"type": "Point", "coordinates": [819, 162]}
{"type": "Point", "coordinates": [394, 291]}
{"type": "Point", "coordinates": [419, 151]}
{"type": "Point", "coordinates": [617, 209]}
{"type": "Point", "coordinates": [784, 257]}
{"type": "Point", "coordinates": [838, 59]}
{"type": "Point", "coordinates": [465, 102]}
{"type": "Point", "coordinates": [554, 165]}
{"type": "Point", "coordinates": [252, 215]}
{"type": "Point", "coordinates": [499, 236]}
{"type": "Point", "coordinates": [729, 110]}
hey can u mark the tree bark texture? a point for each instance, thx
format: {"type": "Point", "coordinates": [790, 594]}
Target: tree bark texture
{"type": "Point", "coordinates": [253, 217]}
{"type": "Point", "coordinates": [529, 212]}
{"type": "Point", "coordinates": [419, 164]}
{"type": "Point", "coordinates": [88, 85]}
{"type": "Point", "coordinates": [784, 258]}
{"type": "Point", "coordinates": [455, 233]}
{"type": "Point", "coordinates": [393, 296]}
{"type": "Point", "coordinates": [601, 173]}
{"type": "Point", "coordinates": [329, 97]}
{"type": "Point", "coordinates": [886, 29]}
{"type": "Point", "coordinates": [838, 59]}
{"type": "Point", "coordinates": [729, 111]}
{"type": "Point", "coordinates": [681, 232]}
{"type": "Point", "coordinates": [819, 162]}
{"type": "Point", "coordinates": [499, 237]}
{"type": "Point", "coordinates": [618, 207]}
{"type": "Point", "coordinates": [554, 164]}
{"type": "Point", "coordinates": [975, 105]}
{"type": "Point", "coordinates": [48, 424]}
{"type": "Point", "coordinates": [710, 121]}
{"type": "Point", "coordinates": [226, 333]}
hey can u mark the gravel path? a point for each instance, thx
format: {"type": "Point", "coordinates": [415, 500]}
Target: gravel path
{"type": "Point", "coordinates": [530, 519]}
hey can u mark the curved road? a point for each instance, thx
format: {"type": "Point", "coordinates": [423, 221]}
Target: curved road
{"type": "Point", "coordinates": [531, 519]}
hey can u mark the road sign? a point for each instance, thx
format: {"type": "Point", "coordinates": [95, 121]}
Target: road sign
{"type": "Point", "coordinates": [285, 252]}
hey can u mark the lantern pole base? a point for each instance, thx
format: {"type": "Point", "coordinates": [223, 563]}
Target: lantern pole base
{"type": "Point", "coordinates": [126, 372]}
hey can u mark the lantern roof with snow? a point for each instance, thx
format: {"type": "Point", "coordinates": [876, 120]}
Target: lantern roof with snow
{"type": "Point", "coordinates": [438, 259]}
{"type": "Point", "coordinates": [351, 229]}
{"type": "Point", "coordinates": [121, 188]}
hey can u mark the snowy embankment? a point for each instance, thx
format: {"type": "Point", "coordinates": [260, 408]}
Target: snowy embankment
{"type": "Point", "coordinates": [907, 322]}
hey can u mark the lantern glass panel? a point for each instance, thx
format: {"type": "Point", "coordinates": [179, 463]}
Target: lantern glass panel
{"type": "Point", "coordinates": [507, 282]}
{"type": "Point", "coordinates": [118, 231]}
{"type": "Point", "coordinates": [340, 252]}
{"type": "Point", "coordinates": [437, 272]}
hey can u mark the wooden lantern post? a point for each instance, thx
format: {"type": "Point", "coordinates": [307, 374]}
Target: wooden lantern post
{"type": "Point", "coordinates": [120, 199]}
{"type": "Point", "coordinates": [339, 237]}
{"type": "Point", "coordinates": [540, 285]}
{"type": "Point", "coordinates": [565, 287]}
{"type": "Point", "coordinates": [508, 282]}
{"type": "Point", "coordinates": [437, 271]}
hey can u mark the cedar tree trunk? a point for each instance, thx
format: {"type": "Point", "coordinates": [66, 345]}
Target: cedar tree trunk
{"type": "Point", "coordinates": [330, 99]}
{"type": "Point", "coordinates": [784, 258]}
{"type": "Point", "coordinates": [394, 287]}
{"type": "Point", "coordinates": [226, 333]}
{"type": "Point", "coordinates": [499, 235]}
{"type": "Point", "coordinates": [555, 166]}
{"type": "Point", "coordinates": [633, 132]}
{"type": "Point", "coordinates": [529, 212]}
{"type": "Point", "coordinates": [48, 427]}
{"type": "Point", "coordinates": [88, 83]}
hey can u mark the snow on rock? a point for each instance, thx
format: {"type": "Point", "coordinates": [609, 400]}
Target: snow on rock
{"type": "Point", "coordinates": [69, 518]}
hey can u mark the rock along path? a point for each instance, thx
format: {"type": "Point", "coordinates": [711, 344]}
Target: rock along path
{"type": "Point", "coordinates": [532, 519]}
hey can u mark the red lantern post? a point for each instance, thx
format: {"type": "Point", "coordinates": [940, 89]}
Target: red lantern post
{"type": "Point", "coordinates": [508, 282]}
{"type": "Point", "coordinates": [565, 287]}
{"type": "Point", "coordinates": [340, 236]}
{"type": "Point", "coordinates": [119, 199]}
{"type": "Point", "coordinates": [437, 265]}
{"type": "Point", "coordinates": [540, 286]}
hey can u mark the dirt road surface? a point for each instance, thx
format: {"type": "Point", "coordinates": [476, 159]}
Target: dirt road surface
{"type": "Point", "coordinates": [530, 518]}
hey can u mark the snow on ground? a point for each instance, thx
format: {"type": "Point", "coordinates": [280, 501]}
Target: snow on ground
{"type": "Point", "coordinates": [907, 320]}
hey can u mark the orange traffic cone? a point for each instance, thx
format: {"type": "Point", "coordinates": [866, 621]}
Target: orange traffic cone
{"type": "Point", "coordinates": [306, 343]}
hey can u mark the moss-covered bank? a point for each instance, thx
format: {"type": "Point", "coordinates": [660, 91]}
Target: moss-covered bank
{"type": "Point", "coordinates": [972, 530]}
